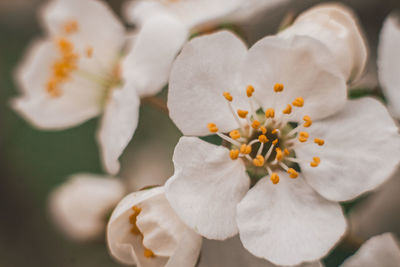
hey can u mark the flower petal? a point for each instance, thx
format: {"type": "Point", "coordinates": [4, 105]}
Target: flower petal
{"type": "Point", "coordinates": [389, 62]}
{"type": "Point", "coordinates": [362, 150]}
{"type": "Point", "coordinates": [288, 223]}
{"type": "Point", "coordinates": [79, 206]}
{"type": "Point", "coordinates": [306, 69]}
{"type": "Point", "coordinates": [156, 45]}
{"type": "Point", "coordinates": [118, 125]}
{"type": "Point", "coordinates": [206, 67]}
{"type": "Point", "coordinates": [206, 187]}
{"type": "Point", "coordinates": [382, 250]}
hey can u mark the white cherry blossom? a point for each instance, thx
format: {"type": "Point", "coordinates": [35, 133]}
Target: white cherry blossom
{"type": "Point", "coordinates": [144, 230]}
{"type": "Point", "coordinates": [288, 132]}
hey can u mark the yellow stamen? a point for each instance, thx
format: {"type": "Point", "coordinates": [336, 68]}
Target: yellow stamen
{"type": "Point", "coordinates": [275, 141]}
{"type": "Point", "coordinates": [71, 26]}
{"type": "Point", "coordinates": [65, 46]}
{"type": "Point", "coordinates": [274, 178]}
{"type": "Point", "coordinates": [89, 52]}
{"type": "Point", "coordinates": [274, 131]}
{"type": "Point", "coordinates": [234, 154]}
{"type": "Point", "coordinates": [293, 173]}
{"type": "Point", "coordinates": [258, 161]}
{"type": "Point", "coordinates": [278, 87]}
{"type": "Point", "coordinates": [148, 253]}
{"type": "Point", "coordinates": [235, 134]}
{"type": "Point", "coordinates": [52, 88]}
{"type": "Point", "coordinates": [263, 130]}
{"type": "Point", "coordinates": [303, 137]}
{"type": "Point", "coordinates": [256, 124]}
{"type": "Point", "coordinates": [319, 141]}
{"type": "Point", "coordinates": [242, 113]}
{"type": "Point", "coordinates": [286, 152]}
{"type": "Point", "coordinates": [279, 154]}
{"type": "Point", "coordinates": [263, 139]}
{"type": "Point", "coordinates": [316, 161]}
{"type": "Point", "coordinates": [307, 121]}
{"type": "Point", "coordinates": [250, 91]}
{"type": "Point", "coordinates": [132, 219]}
{"type": "Point", "coordinates": [245, 149]}
{"type": "Point", "coordinates": [228, 96]}
{"type": "Point", "coordinates": [212, 127]}
{"type": "Point", "coordinates": [298, 102]}
{"type": "Point", "coordinates": [270, 113]}
{"type": "Point", "coordinates": [288, 109]}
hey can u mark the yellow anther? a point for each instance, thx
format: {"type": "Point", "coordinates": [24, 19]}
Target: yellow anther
{"type": "Point", "coordinates": [274, 131]}
{"type": "Point", "coordinates": [71, 26]}
{"type": "Point", "coordinates": [235, 134]}
{"type": "Point", "coordinates": [316, 161]}
{"type": "Point", "coordinates": [250, 91]}
{"type": "Point", "coordinates": [258, 161]}
{"type": "Point", "coordinates": [307, 121]}
{"type": "Point", "coordinates": [270, 113]}
{"type": "Point", "coordinates": [274, 178]}
{"type": "Point", "coordinates": [319, 141]}
{"type": "Point", "coordinates": [279, 154]}
{"type": "Point", "coordinates": [293, 173]}
{"type": "Point", "coordinates": [303, 137]}
{"type": "Point", "coordinates": [275, 141]}
{"type": "Point", "coordinates": [286, 152]}
{"type": "Point", "coordinates": [256, 124]}
{"type": "Point", "coordinates": [242, 113]}
{"type": "Point", "coordinates": [228, 96]}
{"type": "Point", "coordinates": [65, 45]}
{"type": "Point", "coordinates": [298, 102]}
{"type": "Point", "coordinates": [52, 88]}
{"type": "Point", "coordinates": [263, 130]}
{"type": "Point", "coordinates": [89, 52]}
{"type": "Point", "coordinates": [132, 219]}
{"type": "Point", "coordinates": [245, 149]}
{"type": "Point", "coordinates": [234, 154]}
{"type": "Point", "coordinates": [148, 253]}
{"type": "Point", "coordinates": [212, 127]}
{"type": "Point", "coordinates": [278, 87]}
{"type": "Point", "coordinates": [288, 109]}
{"type": "Point", "coordinates": [136, 210]}
{"type": "Point", "coordinates": [263, 139]}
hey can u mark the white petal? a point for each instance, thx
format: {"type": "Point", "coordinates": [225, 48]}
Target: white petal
{"type": "Point", "coordinates": [80, 99]}
{"type": "Point", "coordinates": [97, 26]}
{"type": "Point", "coordinates": [206, 187]}
{"type": "Point", "coordinates": [382, 251]}
{"type": "Point", "coordinates": [389, 62]}
{"type": "Point", "coordinates": [252, 8]}
{"type": "Point", "coordinates": [288, 223]}
{"type": "Point", "coordinates": [206, 67]}
{"type": "Point", "coordinates": [304, 66]}
{"type": "Point", "coordinates": [118, 125]}
{"type": "Point", "coordinates": [156, 45]}
{"type": "Point", "coordinates": [361, 151]}
{"type": "Point", "coordinates": [79, 207]}
{"type": "Point", "coordinates": [337, 27]}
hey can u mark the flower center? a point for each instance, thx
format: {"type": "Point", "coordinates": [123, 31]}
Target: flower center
{"type": "Point", "coordinates": [135, 230]}
{"type": "Point", "coordinates": [265, 139]}
{"type": "Point", "coordinates": [66, 64]}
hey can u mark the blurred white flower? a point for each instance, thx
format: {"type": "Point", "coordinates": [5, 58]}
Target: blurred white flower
{"type": "Point", "coordinates": [145, 231]}
{"type": "Point", "coordinates": [382, 251]}
{"type": "Point", "coordinates": [80, 206]}
{"type": "Point", "coordinates": [389, 62]}
{"type": "Point", "coordinates": [82, 69]}
{"type": "Point", "coordinates": [278, 102]}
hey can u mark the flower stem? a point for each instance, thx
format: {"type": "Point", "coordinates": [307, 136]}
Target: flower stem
{"type": "Point", "coordinates": [156, 102]}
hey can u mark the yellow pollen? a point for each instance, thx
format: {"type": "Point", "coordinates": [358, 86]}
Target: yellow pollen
{"type": "Point", "coordinates": [303, 137]}
{"type": "Point", "coordinates": [274, 178]}
{"type": "Point", "coordinates": [89, 52]}
{"type": "Point", "coordinates": [275, 141]}
{"type": "Point", "coordinates": [316, 161]}
{"type": "Point", "coordinates": [263, 130]}
{"type": "Point", "coordinates": [250, 91]}
{"type": "Point", "coordinates": [298, 102]}
{"type": "Point", "coordinates": [132, 219]}
{"type": "Point", "coordinates": [242, 113]}
{"type": "Point", "coordinates": [279, 154]}
{"type": "Point", "coordinates": [245, 149]}
{"type": "Point", "coordinates": [71, 26]}
{"type": "Point", "coordinates": [286, 152]}
{"type": "Point", "coordinates": [307, 121]}
{"type": "Point", "coordinates": [228, 96]}
{"type": "Point", "coordinates": [274, 131]}
{"type": "Point", "coordinates": [256, 124]}
{"type": "Point", "coordinates": [52, 88]}
{"type": "Point", "coordinates": [64, 45]}
{"type": "Point", "coordinates": [278, 87]}
{"type": "Point", "coordinates": [293, 173]}
{"type": "Point", "coordinates": [148, 253]}
{"type": "Point", "coordinates": [212, 127]}
{"type": "Point", "coordinates": [263, 139]}
{"type": "Point", "coordinates": [319, 141]}
{"type": "Point", "coordinates": [234, 154]}
{"type": "Point", "coordinates": [235, 134]}
{"type": "Point", "coordinates": [270, 113]}
{"type": "Point", "coordinates": [258, 161]}
{"type": "Point", "coordinates": [287, 110]}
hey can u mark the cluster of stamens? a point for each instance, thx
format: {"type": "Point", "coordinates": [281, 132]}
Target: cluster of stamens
{"type": "Point", "coordinates": [266, 140]}
{"type": "Point", "coordinates": [135, 230]}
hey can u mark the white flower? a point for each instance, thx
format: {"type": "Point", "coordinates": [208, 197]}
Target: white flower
{"type": "Point", "coordinates": [382, 251]}
{"type": "Point", "coordinates": [80, 206]}
{"type": "Point", "coordinates": [283, 106]}
{"type": "Point", "coordinates": [389, 62]}
{"type": "Point", "coordinates": [145, 231]}
{"type": "Point", "coordinates": [80, 70]}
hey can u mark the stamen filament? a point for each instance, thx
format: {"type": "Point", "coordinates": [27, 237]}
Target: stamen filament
{"type": "Point", "coordinates": [230, 140]}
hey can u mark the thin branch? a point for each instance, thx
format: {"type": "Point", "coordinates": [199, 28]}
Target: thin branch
{"type": "Point", "coordinates": [156, 102]}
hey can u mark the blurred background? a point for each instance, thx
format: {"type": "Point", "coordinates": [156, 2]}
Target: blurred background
{"type": "Point", "coordinates": [33, 162]}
